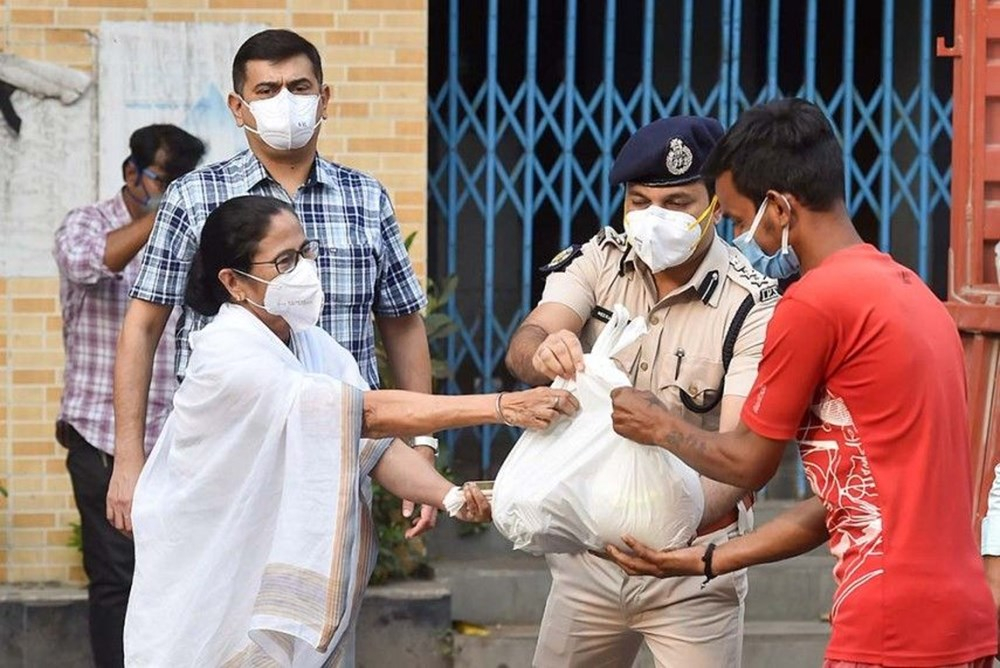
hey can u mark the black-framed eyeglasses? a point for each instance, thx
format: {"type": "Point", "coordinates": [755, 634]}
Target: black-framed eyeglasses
{"type": "Point", "coordinates": [289, 259]}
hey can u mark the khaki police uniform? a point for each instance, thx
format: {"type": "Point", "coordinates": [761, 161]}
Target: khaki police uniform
{"type": "Point", "coordinates": [596, 615]}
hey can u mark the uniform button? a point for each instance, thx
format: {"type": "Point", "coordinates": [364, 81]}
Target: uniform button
{"type": "Point", "coordinates": [654, 320]}
{"type": "Point", "coordinates": [643, 366]}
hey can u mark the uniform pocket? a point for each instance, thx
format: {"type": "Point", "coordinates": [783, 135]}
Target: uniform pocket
{"type": "Point", "coordinates": [692, 388]}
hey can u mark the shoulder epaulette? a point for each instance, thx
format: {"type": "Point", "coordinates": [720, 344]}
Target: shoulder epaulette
{"type": "Point", "coordinates": [609, 235]}
{"type": "Point", "coordinates": [762, 288]}
{"type": "Point", "coordinates": [562, 259]}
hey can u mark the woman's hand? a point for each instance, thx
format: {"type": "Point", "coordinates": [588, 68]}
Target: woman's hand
{"type": "Point", "coordinates": [477, 507]}
{"type": "Point", "coordinates": [536, 408]}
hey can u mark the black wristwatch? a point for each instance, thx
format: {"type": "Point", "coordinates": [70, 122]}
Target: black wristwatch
{"type": "Point", "coordinates": [707, 559]}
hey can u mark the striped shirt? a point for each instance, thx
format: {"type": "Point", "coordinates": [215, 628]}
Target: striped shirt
{"type": "Point", "coordinates": [94, 300]}
{"type": "Point", "coordinates": [363, 263]}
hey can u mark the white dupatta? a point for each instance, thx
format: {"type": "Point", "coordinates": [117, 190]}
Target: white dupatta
{"type": "Point", "coordinates": [253, 531]}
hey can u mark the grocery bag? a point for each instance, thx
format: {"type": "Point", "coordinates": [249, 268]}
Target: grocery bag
{"type": "Point", "coordinates": [578, 485]}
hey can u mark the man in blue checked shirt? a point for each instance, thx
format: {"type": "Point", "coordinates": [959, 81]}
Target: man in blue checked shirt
{"type": "Point", "coordinates": [280, 100]}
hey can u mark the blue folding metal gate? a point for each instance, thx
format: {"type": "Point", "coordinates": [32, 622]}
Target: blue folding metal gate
{"type": "Point", "coordinates": [530, 100]}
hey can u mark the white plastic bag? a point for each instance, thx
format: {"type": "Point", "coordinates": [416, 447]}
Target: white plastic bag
{"type": "Point", "coordinates": [578, 485]}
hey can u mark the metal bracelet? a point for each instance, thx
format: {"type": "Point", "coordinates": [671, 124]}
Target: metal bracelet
{"type": "Point", "coordinates": [499, 409]}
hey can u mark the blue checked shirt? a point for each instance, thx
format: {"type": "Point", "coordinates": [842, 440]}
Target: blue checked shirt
{"type": "Point", "coordinates": [363, 263]}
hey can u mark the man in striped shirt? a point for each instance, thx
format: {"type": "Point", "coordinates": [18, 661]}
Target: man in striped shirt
{"type": "Point", "coordinates": [95, 250]}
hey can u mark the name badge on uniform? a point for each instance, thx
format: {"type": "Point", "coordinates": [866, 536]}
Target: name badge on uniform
{"type": "Point", "coordinates": [602, 314]}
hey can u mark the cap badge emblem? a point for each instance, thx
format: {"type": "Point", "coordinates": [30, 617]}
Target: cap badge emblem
{"type": "Point", "coordinates": [679, 157]}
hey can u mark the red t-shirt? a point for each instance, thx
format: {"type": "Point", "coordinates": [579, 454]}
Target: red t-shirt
{"type": "Point", "coordinates": [864, 367]}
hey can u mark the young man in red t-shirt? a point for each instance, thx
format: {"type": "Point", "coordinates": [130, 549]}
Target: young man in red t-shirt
{"type": "Point", "coordinates": [863, 367]}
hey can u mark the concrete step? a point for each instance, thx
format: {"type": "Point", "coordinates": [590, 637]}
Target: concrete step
{"type": "Point", "coordinates": [512, 589]}
{"type": "Point", "coordinates": [401, 624]}
{"type": "Point", "coordinates": [765, 645]}
{"type": "Point", "coordinates": [799, 589]}
{"type": "Point", "coordinates": [454, 540]}
{"type": "Point", "coordinates": [766, 510]}
{"type": "Point", "coordinates": [44, 625]}
{"type": "Point", "coordinates": [500, 590]}
{"type": "Point", "coordinates": [784, 644]}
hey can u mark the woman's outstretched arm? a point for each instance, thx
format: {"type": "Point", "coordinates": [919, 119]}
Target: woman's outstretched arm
{"type": "Point", "coordinates": [401, 413]}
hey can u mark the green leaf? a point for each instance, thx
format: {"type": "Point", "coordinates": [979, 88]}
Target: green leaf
{"type": "Point", "coordinates": [446, 290]}
{"type": "Point", "coordinates": [439, 325]}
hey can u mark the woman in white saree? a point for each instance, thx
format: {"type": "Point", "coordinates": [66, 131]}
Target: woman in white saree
{"type": "Point", "coordinates": [252, 522]}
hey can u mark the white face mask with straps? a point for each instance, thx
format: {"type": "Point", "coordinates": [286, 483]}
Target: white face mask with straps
{"type": "Point", "coordinates": [665, 238]}
{"type": "Point", "coordinates": [296, 296]}
{"type": "Point", "coordinates": [284, 122]}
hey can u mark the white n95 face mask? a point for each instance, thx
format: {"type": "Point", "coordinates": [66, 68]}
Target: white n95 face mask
{"type": "Point", "coordinates": [285, 121]}
{"type": "Point", "coordinates": [296, 296]}
{"type": "Point", "coordinates": [664, 238]}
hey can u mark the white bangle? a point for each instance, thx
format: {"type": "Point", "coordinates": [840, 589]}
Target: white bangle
{"type": "Point", "coordinates": [426, 441]}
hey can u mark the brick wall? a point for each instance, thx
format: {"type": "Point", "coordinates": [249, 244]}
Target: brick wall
{"type": "Point", "coordinates": [375, 59]}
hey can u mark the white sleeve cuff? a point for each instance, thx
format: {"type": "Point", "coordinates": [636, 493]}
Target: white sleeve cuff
{"type": "Point", "coordinates": [454, 501]}
{"type": "Point", "coordinates": [991, 536]}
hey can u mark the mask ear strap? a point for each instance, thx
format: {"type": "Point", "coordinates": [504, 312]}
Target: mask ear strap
{"type": "Point", "coordinates": [784, 230]}
{"type": "Point", "coordinates": [707, 213]}
{"type": "Point", "coordinates": [757, 218]}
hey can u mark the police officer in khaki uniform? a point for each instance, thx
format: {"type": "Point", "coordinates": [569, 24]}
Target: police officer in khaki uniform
{"type": "Point", "coordinates": [707, 311]}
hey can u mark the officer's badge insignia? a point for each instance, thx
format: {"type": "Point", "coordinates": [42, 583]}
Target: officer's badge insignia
{"type": "Point", "coordinates": [562, 259]}
{"type": "Point", "coordinates": [769, 293]}
{"type": "Point", "coordinates": [679, 157]}
{"type": "Point", "coordinates": [612, 236]}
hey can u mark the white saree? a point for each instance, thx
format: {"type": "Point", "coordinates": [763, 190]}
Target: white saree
{"type": "Point", "coordinates": [253, 533]}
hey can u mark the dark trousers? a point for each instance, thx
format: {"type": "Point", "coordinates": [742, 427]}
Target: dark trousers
{"type": "Point", "coordinates": [108, 555]}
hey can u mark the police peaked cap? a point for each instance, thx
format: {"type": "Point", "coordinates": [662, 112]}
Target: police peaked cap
{"type": "Point", "coordinates": [667, 152]}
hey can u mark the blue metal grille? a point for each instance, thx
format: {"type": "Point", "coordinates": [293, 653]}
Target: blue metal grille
{"type": "Point", "coordinates": [530, 101]}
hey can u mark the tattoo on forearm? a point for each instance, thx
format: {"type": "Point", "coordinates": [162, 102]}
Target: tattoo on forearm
{"type": "Point", "coordinates": [677, 442]}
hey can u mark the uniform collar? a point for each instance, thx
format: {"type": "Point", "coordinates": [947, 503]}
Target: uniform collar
{"type": "Point", "coordinates": [706, 282]}
{"type": "Point", "coordinates": [708, 277]}
{"type": "Point", "coordinates": [254, 173]}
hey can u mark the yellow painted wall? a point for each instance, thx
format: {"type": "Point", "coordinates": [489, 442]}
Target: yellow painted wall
{"type": "Point", "coordinates": [375, 58]}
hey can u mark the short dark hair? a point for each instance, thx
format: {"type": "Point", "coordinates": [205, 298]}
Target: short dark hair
{"type": "Point", "coordinates": [183, 151]}
{"type": "Point", "coordinates": [785, 145]}
{"type": "Point", "coordinates": [229, 239]}
{"type": "Point", "coordinates": [274, 46]}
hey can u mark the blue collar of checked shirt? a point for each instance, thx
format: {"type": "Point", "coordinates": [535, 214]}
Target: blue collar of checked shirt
{"type": "Point", "coordinates": [253, 171]}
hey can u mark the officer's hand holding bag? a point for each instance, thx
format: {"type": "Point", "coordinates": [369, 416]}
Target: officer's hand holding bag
{"type": "Point", "coordinates": [580, 486]}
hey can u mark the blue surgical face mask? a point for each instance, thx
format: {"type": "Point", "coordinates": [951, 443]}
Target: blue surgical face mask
{"type": "Point", "coordinates": [782, 264]}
